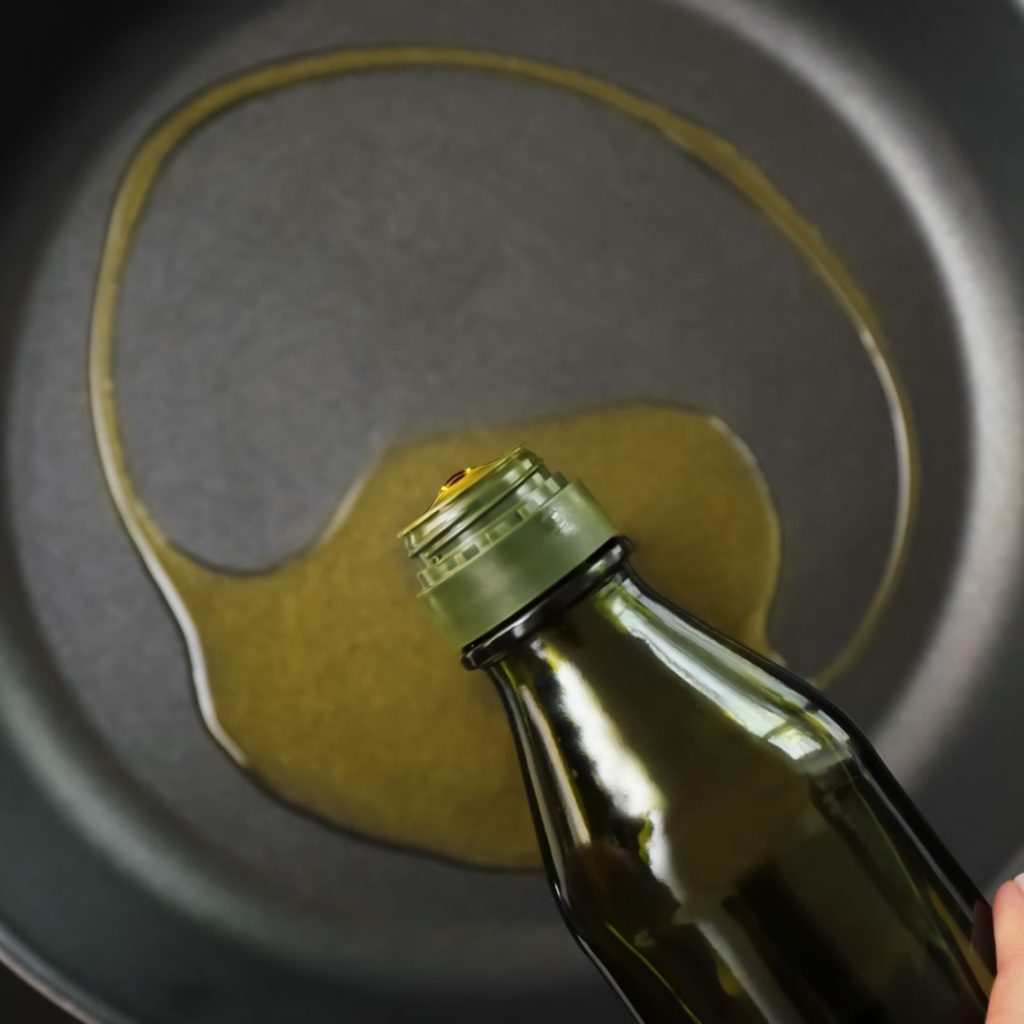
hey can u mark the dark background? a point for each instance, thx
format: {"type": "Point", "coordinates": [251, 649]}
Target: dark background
{"type": "Point", "coordinates": [51, 44]}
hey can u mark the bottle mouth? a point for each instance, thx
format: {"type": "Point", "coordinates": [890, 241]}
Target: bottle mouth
{"type": "Point", "coordinates": [498, 535]}
{"type": "Point", "coordinates": [465, 497]}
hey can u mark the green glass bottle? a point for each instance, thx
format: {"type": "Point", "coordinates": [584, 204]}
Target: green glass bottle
{"type": "Point", "coordinates": [725, 844]}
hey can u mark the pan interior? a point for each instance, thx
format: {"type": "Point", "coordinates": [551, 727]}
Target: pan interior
{"type": "Point", "coordinates": [314, 270]}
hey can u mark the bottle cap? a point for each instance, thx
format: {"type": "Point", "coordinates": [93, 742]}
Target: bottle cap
{"type": "Point", "coordinates": [498, 536]}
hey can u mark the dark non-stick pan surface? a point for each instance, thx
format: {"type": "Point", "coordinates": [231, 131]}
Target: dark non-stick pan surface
{"type": "Point", "coordinates": [142, 877]}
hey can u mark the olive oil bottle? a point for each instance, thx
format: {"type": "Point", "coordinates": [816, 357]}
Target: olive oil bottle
{"type": "Point", "coordinates": [723, 842]}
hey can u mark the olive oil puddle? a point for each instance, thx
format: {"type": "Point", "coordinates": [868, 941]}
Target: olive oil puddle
{"type": "Point", "coordinates": [320, 675]}
{"type": "Point", "coordinates": [342, 696]}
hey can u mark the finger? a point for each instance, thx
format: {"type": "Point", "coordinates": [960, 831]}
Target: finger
{"type": "Point", "coordinates": [1007, 1003]}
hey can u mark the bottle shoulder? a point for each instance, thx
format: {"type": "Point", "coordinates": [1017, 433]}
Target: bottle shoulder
{"type": "Point", "coordinates": [742, 682]}
{"type": "Point", "coordinates": [618, 645]}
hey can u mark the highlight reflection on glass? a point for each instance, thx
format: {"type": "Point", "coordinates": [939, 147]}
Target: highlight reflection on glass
{"type": "Point", "coordinates": [622, 776]}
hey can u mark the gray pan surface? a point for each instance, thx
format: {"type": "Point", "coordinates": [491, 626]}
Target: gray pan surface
{"type": "Point", "coordinates": [315, 268]}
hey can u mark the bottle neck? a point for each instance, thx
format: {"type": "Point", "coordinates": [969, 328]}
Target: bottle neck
{"type": "Point", "coordinates": [605, 562]}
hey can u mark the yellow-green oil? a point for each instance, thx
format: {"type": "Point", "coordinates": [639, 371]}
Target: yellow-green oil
{"type": "Point", "coordinates": [320, 675]}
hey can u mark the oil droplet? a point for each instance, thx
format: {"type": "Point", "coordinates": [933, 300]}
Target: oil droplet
{"type": "Point", "coordinates": [321, 676]}
{"type": "Point", "coordinates": [459, 481]}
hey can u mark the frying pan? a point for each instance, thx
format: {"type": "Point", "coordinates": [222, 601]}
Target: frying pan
{"type": "Point", "coordinates": [142, 877]}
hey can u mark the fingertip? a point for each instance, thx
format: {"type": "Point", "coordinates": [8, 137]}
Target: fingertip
{"type": "Point", "coordinates": [1008, 911]}
{"type": "Point", "coordinates": [1011, 893]}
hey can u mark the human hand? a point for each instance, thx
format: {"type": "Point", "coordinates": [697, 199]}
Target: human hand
{"type": "Point", "coordinates": [1007, 1003]}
